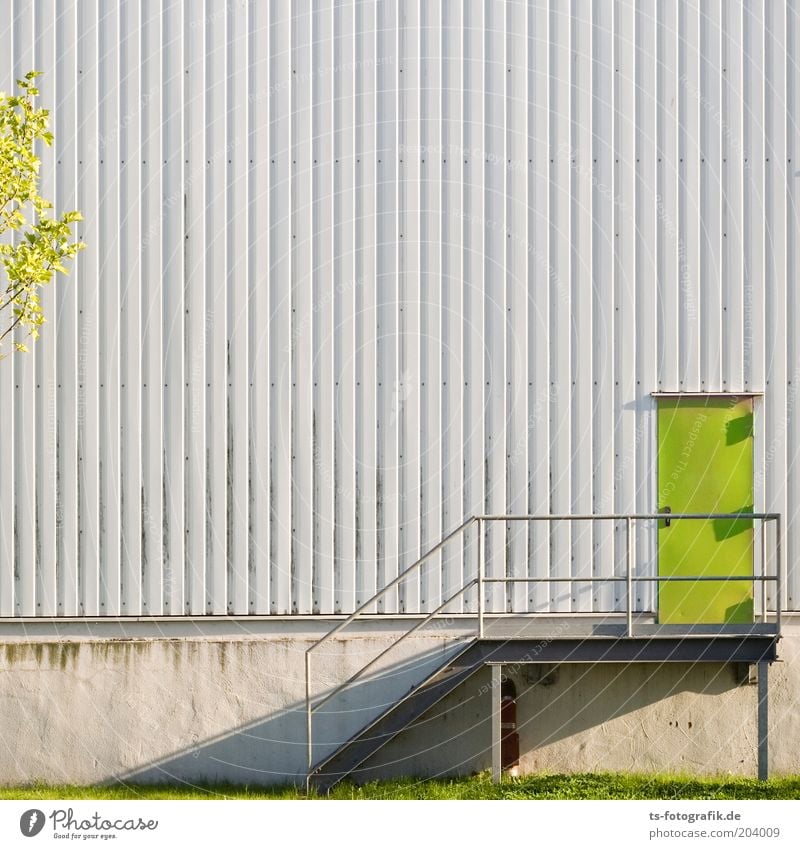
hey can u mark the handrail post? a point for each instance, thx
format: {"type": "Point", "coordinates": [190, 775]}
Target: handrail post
{"type": "Point", "coordinates": [629, 574]}
{"type": "Point", "coordinates": [763, 570]}
{"type": "Point", "coordinates": [778, 570]}
{"type": "Point", "coordinates": [481, 567]}
{"type": "Point", "coordinates": [308, 712]}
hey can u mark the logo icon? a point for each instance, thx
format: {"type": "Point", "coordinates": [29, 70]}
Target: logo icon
{"type": "Point", "coordinates": [31, 822]}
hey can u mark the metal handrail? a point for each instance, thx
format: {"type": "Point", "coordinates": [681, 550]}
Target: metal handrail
{"type": "Point", "coordinates": [310, 708]}
{"type": "Point", "coordinates": [591, 517]}
{"type": "Point", "coordinates": [481, 579]}
{"type": "Point", "coordinates": [325, 699]}
{"type": "Point", "coordinates": [601, 580]}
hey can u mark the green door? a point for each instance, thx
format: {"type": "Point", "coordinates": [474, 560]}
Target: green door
{"type": "Point", "coordinates": [705, 465]}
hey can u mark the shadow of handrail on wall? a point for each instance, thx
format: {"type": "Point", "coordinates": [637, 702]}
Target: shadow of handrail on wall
{"type": "Point", "coordinates": [453, 737]}
{"type": "Point", "coordinates": [272, 748]}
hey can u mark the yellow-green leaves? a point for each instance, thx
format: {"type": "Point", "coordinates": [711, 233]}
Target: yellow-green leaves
{"type": "Point", "coordinates": [34, 244]}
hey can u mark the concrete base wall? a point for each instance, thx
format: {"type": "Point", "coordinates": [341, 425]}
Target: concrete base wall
{"type": "Point", "coordinates": [233, 709]}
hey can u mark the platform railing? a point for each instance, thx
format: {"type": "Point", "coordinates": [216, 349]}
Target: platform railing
{"type": "Point", "coordinates": [481, 581]}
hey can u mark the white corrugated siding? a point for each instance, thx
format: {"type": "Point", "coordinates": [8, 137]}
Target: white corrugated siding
{"type": "Point", "coordinates": [357, 270]}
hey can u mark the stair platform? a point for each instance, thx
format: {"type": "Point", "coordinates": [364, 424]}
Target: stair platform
{"type": "Point", "coordinates": [661, 648]}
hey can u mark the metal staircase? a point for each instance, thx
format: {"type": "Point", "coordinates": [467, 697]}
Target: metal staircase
{"type": "Point", "coordinates": [398, 717]}
{"type": "Point", "coordinates": [692, 644]}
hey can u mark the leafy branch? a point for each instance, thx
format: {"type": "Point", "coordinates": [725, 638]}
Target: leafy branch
{"type": "Point", "coordinates": [35, 245]}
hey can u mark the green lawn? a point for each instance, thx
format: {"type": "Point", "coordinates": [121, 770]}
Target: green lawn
{"type": "Point", "coordinates": [586, 786]}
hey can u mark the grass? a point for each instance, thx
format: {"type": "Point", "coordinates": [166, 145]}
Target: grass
{"type": "Point", "coordinates": [582, 786]}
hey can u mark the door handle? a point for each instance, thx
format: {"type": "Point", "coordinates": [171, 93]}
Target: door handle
{"type": "Point", "coordinates": [666, 521]}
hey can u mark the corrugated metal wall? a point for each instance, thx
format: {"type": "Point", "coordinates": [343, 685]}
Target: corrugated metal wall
{"type": "Point", "coordinates": [357, 270]}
